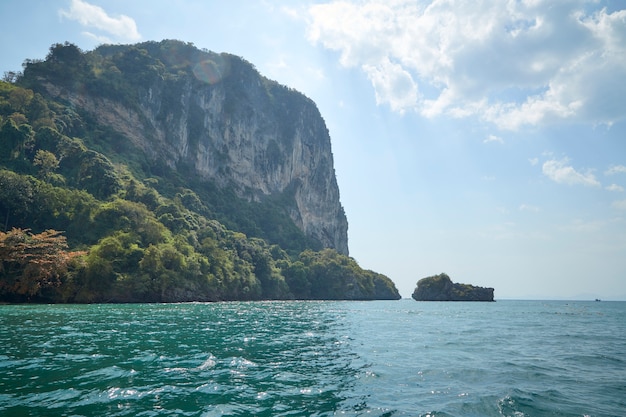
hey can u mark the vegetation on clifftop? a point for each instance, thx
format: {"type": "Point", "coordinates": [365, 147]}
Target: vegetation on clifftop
{"type": "Point", "coordinates": [441, 288]}
{"type": "Point", "coordinates": [122, 227]}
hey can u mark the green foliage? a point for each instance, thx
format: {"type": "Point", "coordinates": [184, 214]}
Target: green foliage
{"type": "Point", "coordinates": [97, 175]}
{"type": "Point", "coordinates": [16, 198]}
{"type": "Point", "coordinates": [329, 275]}
{"type": "Point", "coordinates": [26, 202]}
{"type": "Point", "coordinates": [441, 288]}
{"type": "Point", "coordinates": [47, 163]}
{"type": "Point", "coordinates": [15, 141]}
{"type": "Point", "coordinates": [151, 232]}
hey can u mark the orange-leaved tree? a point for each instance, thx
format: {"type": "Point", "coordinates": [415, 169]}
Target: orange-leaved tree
{"type": "Point", "coordinates": [30, 262]}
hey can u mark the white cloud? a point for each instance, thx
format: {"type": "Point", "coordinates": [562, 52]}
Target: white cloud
{"type": "Point", "coordinates": [291, 12]}
{"type": "Point", "coordinates": [493, 138]}
{"type": "Point", "coordinates": [616, 188]}
{"type": "Point", "coordinates": [533, 161]}
{"type": "Point", "coordinates": [616, 169]}
{"type": "Point", "coordinates": [619, 205]}
{"type": "Point", "coordinates": [97, 38]}
{"type": "Point", "coordinates": [393, 86]}
{"type": "Point", "coordinates": [512, 63]}
{"type": "Point", "coordinates": [528, 207]}
{"type": "Point", "coordinates": [122, 27]}
{"type": "Point", "coordinates": [559, 172]}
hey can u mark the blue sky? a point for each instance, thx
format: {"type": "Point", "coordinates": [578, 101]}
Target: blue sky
{"type": "Point", "coordinates": [484, 139]}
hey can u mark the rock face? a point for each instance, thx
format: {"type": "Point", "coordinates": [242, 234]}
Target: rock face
{"type": "Point", "coordinates": [216, 116]}
{"type": "Point", "coordinates": [441, 288]}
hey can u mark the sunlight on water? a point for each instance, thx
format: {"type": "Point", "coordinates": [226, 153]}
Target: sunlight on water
{"type": "Point", "coordinates": [314, 359]}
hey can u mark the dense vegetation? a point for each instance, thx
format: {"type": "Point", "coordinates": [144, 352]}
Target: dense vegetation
{"type": "Point", "coordinates": [88, 218]}
{"type": "Point", "coordinates": [441, 288]}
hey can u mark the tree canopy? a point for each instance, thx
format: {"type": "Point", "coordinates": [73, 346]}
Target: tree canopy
{"type": "Point", "coordinates": [31, 262]}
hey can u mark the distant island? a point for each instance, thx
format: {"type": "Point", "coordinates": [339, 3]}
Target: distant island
{"type": "Point", "coordinates": [441, 288]}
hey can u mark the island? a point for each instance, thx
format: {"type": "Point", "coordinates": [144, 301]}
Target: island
{"type": "Point", "coordinates": [160, 172]}
{"type": "Point", "coordinates": [441, 288]}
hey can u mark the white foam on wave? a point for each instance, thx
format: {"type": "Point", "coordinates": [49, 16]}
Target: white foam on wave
{"type": "Point", "coordinates": [207, 364]}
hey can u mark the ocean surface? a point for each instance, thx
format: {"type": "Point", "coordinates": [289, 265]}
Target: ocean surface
{"type": "Point", "coordinates": [381, 358]}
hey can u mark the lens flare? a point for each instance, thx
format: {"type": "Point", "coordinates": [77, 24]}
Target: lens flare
{"type": "Point", "coordinates": [212, 70]}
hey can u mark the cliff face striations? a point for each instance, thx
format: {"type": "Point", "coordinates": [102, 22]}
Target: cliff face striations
{"type": "Point", "coordinates": [214, 117]}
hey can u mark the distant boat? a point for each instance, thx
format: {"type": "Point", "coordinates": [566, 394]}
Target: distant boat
{"type": "Point", "coordinates": [597, 299]}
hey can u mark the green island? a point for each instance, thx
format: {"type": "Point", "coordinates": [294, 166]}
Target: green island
{"type": "Point", "coordinates": [159, 172]}
{"type": "Point", "coordinates": [441, 288]}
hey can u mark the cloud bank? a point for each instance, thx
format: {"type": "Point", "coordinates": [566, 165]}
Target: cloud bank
{"type": "Point", "coordinates": [511, 63]}
{"type": "Point", "coordinates": [122, 28]}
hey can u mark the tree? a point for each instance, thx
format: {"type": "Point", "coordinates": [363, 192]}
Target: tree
{"type": "Point", "coordinates": [14, 137]}
{"type": "Point", "coordinates": [66, 53]}
{"type": "Point", "coordinates": [16, 197]}
{"type": "Point", "coordinates": [20, 98]}
{"type": "Point", "coordinates": [97, 175]}
{"type": "Point", "coordinates": [30, 262]}
{"type": "Point", "coordinates": [47, 163]}
{"type": "Point", "coordinates": [11, 76]}
{"type": "Point", "coordinates": [296, 276]}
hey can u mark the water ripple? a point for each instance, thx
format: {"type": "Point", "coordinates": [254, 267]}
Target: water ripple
{"type": "Point", "coordinates": [314, 359]}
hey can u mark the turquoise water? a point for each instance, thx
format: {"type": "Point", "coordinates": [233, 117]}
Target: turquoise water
{"type": "Point", "coordinates": [382, 358]}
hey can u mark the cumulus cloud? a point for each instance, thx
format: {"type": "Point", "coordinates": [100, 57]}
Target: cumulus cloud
{"type": "Point", "coordinates": [560, 172]}
{"type": "Point", "coordinates": [122, 28]}
{"type": "Point", "coordinates": [511, 63]}
{"type": "Point", "coordinates": [616, 169]}
{"type": "Point", "coordinates": [393, 85]}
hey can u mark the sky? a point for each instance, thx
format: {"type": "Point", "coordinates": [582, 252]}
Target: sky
{"type": "Point", "coordinates": [483, 139]}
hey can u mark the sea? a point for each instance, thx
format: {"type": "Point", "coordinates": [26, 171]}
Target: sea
{"type": "Point", "coordinates": [315, 358]}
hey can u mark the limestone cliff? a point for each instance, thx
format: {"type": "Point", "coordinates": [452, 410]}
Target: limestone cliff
{"type": "Point", "coordinates": [215, 116]}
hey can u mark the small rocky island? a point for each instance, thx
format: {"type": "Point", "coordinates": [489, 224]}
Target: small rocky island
{"type": "Point", "coordinates": [441, 288]}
